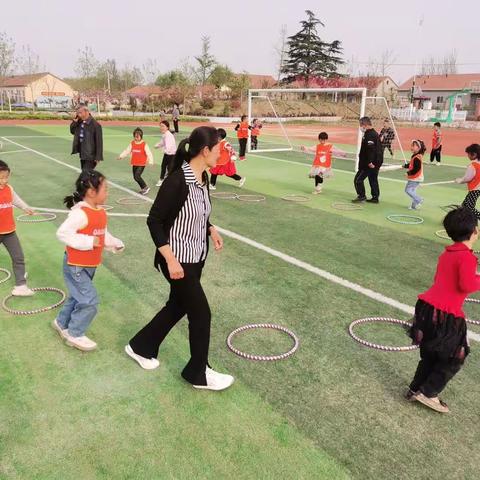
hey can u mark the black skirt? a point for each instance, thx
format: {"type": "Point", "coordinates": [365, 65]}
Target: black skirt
{"type": "Point", "coordinates": [436, 331]}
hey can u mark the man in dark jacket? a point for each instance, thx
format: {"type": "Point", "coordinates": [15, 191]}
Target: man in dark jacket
{"type": "Point", "coordinates": [87, 138]}
{"type": "Point", "coordinates": [370, 161]}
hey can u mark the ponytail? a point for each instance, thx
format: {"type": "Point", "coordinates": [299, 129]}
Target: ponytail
{"type": "Point", "coordinates": [87, 179]}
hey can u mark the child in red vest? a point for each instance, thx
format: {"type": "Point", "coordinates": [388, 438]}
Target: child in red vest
{"type": "Point", "coordinates": [8, 235]}
{"type": "Point", "coordinates": [85, 235]}
{"type": "Point", "coordinates": [472, 178]}
{"type": "Point", "coordinates": [242, 130]}
{"type": "Point", "coordinates": [415, 173]}
{"type": "Point", "coordinates": [140, 155]}
{"type": "Point", "coordinates": [439, 326]}
{"type": "Point", "coordinates": [255, 133]}
{"type": "Point", "coordinates": [225, 163]}
{"type": "Point", "coordinates": [436, 153]}
{"type": "Point", "coordinates": [322, 162]}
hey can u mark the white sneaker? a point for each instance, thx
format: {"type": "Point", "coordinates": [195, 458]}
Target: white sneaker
{"type": "Point", "coordinates": [145, 191]}
{"type": "Point", "coordinates": [317, 190]}
{"type": "Point", "coordinates": [22, 291]}
{"type": "Point", "coordinates": [241, 182]}
{"type": "Point", "coordinates": [213, 187]}
{"type": "Point", "coordinates": [216, 381]}
{"type": "Point", "coordinates": [63, 332]}
{"type": "Point", "coordinates": [82, 343]}
{"type": "Point", "coordinates": [159, 183]}
{"type": "Point", "coordinates": [145, 363]}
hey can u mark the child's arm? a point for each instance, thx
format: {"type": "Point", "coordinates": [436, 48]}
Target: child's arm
{"type": "Point", "coordinates": [416, 167]}
{"type": "Point", "coordinates": [67, 232]}
{"type": "Point", "coordinates": [338, 152]}
{"type": "Point", "coordinates": [468, 279]}
{"type": "Point", "coordinates": [468, 177]}
{"type": "Point", "coordinates": [229, 148]}
{"type": "Point", "coordinates": [126, 152]}
{"type": "Point", "coordinates": [237, 127]}
{"type": "Point", "coordinates": [149, 154]}
{"type": "Point", "coordinates": [113, 244]}
{"type": "Point", "coordinates": [308, 149]}
{"type": "Point", "coordinates": [19, 203]}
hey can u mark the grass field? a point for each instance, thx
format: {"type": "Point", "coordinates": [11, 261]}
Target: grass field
{"type": "Point", "coordinates": [334, 410]}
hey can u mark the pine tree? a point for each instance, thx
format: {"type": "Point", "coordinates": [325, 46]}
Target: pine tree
{"type": "Point", "coordinates": [308, 56]}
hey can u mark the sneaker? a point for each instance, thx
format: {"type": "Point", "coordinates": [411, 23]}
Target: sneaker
{"type": "Point", "coordinates": [145, 363]}
{"type": "Point", "coordinates": [83, 343]}
{"type": "Point", "coordinates": [318, 189]}
{"type": "Point", "coordinates": [213, 187]}
{"type": "Point", "coordinates": [373, 200]}
{"type": "Point", "coordinates": [216, 381]}
{"type": "Point", "coordinates": [159, 183]}
{"type": "Point", "coordinates": [437, 164]}
{"type": "Point", "coordinates": [144, 191]}
{"type": "Point", "coordinates": [63, 332]}
{"type": "Point", "coordinates": [434, 403]}
{"type": "Point", "coordinates": [241, 182]}
{"type": "Point", "coordinates": [241, 159]}
{"type": "Point", "coordinates": [359, 200]}
{"type": "Point", "coordinates": [22, 291]}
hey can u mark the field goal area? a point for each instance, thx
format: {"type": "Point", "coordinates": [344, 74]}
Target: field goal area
{"type": "Point", "coordinates": [292, 117]}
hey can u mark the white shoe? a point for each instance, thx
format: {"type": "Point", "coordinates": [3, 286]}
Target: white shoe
{"type": "Point", "coordinates": [159, 183]}
{"type": "Point", "coordinates": [145, 363]}
{"type": "Point", "coordinates": [213, 187]}
{"type": "Point", "coordinates": [216, 381]}
{"type": "Point", "coordinates": [241, 182]}
{"type": "Point", "coordinates": [317, 190]}
{"type": "Point", "coordinates": [22, 291]}
{"type": "Point", "coordinates": [82, 343]}
{"type": "Point", "coordinates": [63, 332]}
{"type": "Point", "coordinates": [145, 191]}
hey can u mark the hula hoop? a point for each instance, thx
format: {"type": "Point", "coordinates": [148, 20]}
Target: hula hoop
{"type": "Point", "coordinates": [348, 207]}
{"type": "Point", "coordinates": [44, 217]}
{"type": "Point", "coordinates": [448, 208]}
{"type": "Point", "coordinates": [385, 348]}
{"type": "Point", "coordinates": [4, 270]}
{"type": "Point", "coordinates": [296, 198]}
{"type": "Point", "coordinates": [395, 219]}
{"type": "Point", "coordinates": [251, 198]}
{"type": "Point", "coordinates": [106, 207]}
{"type": "Point", "coordinates": [442, 234]}
{"type": "Point", "coordinates": [476, 301]}
{"type": "Point", "coordinates": [131, 201]}
{"type": "Point", "coordinates": [36, 310]}
{"type": "Point", "coordinates": [224, 195]}
{"type": "Point", "coordinates": [263, 358]}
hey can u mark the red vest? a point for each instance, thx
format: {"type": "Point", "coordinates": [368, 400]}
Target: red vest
{"type": "Point", "coordinates": [225, 153]}
{"type": "Point", "coordinates": [7, 221]}
{"type": "Point", "coordinates": [96, 226]}
{"type": "Point", "coordinates": [255, 131]}
{"type": "Point", "coordinates": [473, 184]}
{"type": "Point", "coordinates": [418, 177]}
{"type": "Point", "coordinates": [323, 155]}
{"type": "Point", "coordinates": [139, 156]}
{"type": "Point", "coordinates": [242, 131]}
{"type": "Point", "coordinates": [436, 137]}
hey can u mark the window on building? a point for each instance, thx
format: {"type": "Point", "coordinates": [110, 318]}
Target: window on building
{"type": "Point", "coordinates": [440, 100]}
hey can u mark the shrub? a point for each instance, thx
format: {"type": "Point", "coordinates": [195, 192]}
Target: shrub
{"type": "Point", "coordinates": [207, 103]}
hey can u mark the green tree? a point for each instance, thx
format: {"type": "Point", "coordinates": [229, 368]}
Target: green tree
{"type": "Point", "coordinates": [206, 61]}
{"type": "Point", "coordinates": [173, 78]}
{"type": "Point", "coordinates": [220, 76]}
{"type": "Point", "coordinates": [308, 56]}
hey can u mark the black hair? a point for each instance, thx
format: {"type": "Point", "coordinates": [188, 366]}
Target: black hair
{"type": "Point", "coordinates": [4, 166]}
{"type": "Point", "coordinates": [255, 120]}
{"type": "Point", "coordinates": [243, 117]}
{"type": "Point", "coordinates": [192, 146]}
{"type": "Point", "coordinates": [473, 149]}
{"type": "Point", "coordinates": [323, 136]}
{"type": "Point", "coordinates": [86, 180]}
{"type": "Point", "coordinates": [460, 223]}
{"type": "Point", "coordinates": [166, 123]}
{"type": "Point", "coordinates": [437, 124]}
{"type": "Point", "coordinates": [421, 146]}
{"type": "Point", "coordinates": [366, 121]}
{"type": "Point", "coordinates": [221, 133]}
{"type": "Point", "coordinates": [138, 130]}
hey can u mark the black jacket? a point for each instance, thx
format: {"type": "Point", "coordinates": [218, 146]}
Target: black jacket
{"type": "Point", "coordinates": [371, 150]}
{"type": "Point", "coordinates": [92, 145]}
{"type": "Point", "coordinates": [165, 209]}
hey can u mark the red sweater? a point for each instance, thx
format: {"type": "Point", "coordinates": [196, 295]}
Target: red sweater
{"type": "Point", "coordinates": [455, 279]}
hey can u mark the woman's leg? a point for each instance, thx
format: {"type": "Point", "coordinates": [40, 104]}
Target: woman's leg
{"type": "Point", "coordinates": [165, 162]}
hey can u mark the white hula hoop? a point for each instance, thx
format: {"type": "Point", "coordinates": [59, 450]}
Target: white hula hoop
{"type": "Point", "coordinates": [8, 275]}
{"type": "Point", "coordinates": [442, 234]}
{"type": "Point", "coordinates": [296, 198]}
{"type": "Point", "coordinates": [251, 198]}
{"type": "Point", "coordinates": [106, 207]}
{"type": "Point", "coordinates": [36, 310]}
{"type": "Point", "coordinates": [37, 217]}
{"type": "Point", "coordinates": [476, 301]}
{"type": "Point", "coordinates": [224, 195]}
{"type": "Point", "coordinates": [347, 207]}
{"type": "Point", "coordinates": [395, 218]}
{"type": "Point", "coordinates": [131, 201]}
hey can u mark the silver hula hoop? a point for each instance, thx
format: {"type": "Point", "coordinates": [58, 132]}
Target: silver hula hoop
{"type": "Point", "coordinates": [296, 198]}
{"type": "Point", "coordinates": [8, 275]}
{"type": "Point", "coordinates": [442, 234]}
{"type": "Point", "coordinates": [131, 201]}
{"type": "Point", "coordinates": [251, 198]}
{"type": "Point", "coordinates": [36, 310]}
{"type": "Point", "coordinates": [377, 346]}
{"type": "Point", "coordinates": [263, 358]}
{"type": "Point", "coordinates": [347, 207]}
{"type": "Point", "coordinates": [396, 218]}
{"type": "Point", "coordinates": [224, 195]}
{"type": "Point", "coordinates": [476, 301]}
{"type": "Point", "coordinates": [37, 217]}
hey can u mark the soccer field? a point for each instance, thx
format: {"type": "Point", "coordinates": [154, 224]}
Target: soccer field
{"type": "Point", "coordinates": [333, 410]}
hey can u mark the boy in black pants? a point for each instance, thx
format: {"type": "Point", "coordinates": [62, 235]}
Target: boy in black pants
{"type": "Point", "coordinates": [436, 153]}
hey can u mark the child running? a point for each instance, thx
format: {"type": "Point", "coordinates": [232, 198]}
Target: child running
{"type": "Point", "coordinates": [472, 179]}
{"type": "Point", "coordinates": [322, 162]}
{"type": "Point", "coordinates": [225, 163]}
{"type": "Point", "coordinates": [255, 133]}
{"type": "Point", "coordinates": [140, 154]}
{"type": "Point", "coordinates": [169, 147]}
{"type": "Point", "coordinates": [8, 234]}
{"type": "Point", "coordinates": [439, 326]}
{"type": "Point", "coordinates": [85, 235]}
{"type": "Point", "coordinates": [415, 173]}
{"type": "Point", "coordinates": [242, 130]}
{"type": "Point", "coordinates": [436, 153]}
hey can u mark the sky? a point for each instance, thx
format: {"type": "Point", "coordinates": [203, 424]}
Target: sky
{"type": "Point", "coordinates": [243, 34]}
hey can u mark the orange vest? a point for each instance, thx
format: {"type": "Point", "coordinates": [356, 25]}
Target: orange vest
{"type": "Point", "coordinates": [418, 177]}
{"type": "Point", "coordinates": [473, 184]}
{"type": "Point", "coordinates": [139, 156]}
{"type": "Point", "coordinates": [225, 153]}
{"type": "Point", "coordinates": [7, 221]}
{"type": "Point", "coordinates": [255, 131]}
{"type": "Point", "coordinates": [242, 131]}
{"type": "Point", "coordinates": [436, 136]}
{"type": "Point", "coordinates": [323, 155]}
{"type": "Point", "coordinates": [96, 226]}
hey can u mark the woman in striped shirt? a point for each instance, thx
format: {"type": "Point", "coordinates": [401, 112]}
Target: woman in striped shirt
{"type": "Point", "coordinates": [180, 228]}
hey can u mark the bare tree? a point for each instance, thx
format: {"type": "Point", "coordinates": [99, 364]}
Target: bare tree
{"type": "Point", "coordinates": [279, 50]}
{"type": "Point", "coordinates": [206, 61]}
{"type": "Point", "coordinates": [29, 64]}
{"type": "Point", "coordinates": [87, 64]}
{"type": "Point", "coordinates": [150, 71]}
{"type": "Point", "coordinates": [7, 59]}
{"type": "Point", "coordinates": [440, 66]}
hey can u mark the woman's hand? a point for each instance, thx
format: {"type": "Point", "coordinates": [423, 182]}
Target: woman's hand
{"type": "Point", "coordinates": [216, 238]}
{"type": "Point", "coordinates": [175, 270]}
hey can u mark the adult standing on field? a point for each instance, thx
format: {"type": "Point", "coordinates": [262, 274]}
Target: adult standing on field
{"type": "Point", "coordinates": [370, 161]}
{"type": "Point", "coordinates": [87, 138]}
{"type": "Point", "coordinates": [175, 116]}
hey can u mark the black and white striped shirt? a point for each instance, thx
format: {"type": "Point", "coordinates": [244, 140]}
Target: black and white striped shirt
{"type": "Point", "coordinates": [188, 235]}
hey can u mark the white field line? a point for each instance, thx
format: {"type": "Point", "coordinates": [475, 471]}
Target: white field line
{"type": "Point", "coordinates": [68, 136]}
{"type": "Point", "coordinates": [12, 151]}
{"type": "Point", "coordinates": [286, 258]}
{"type": "Point", "coordinates": [110, 214]}
{"type": "Point", "coordinates": [437, 183]}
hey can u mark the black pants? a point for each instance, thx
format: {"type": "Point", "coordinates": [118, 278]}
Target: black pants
{"type": "Point", "coordinates": [254, 142]}
{"type": "Point", "coordinates": [471, 202]}
{"type": "Point", "coordinates": [213, 178]}
{"type": "Point", "coordinates": [318, 180]}
{"type": "Point", "coordinates": [186, 298]}
{"type": "Point", "coordinates": [166, 165]}
{"type": "Point", "coordinates": [175, 126]}
{"type": "Point", "coordinates": [137, 176]}
{"type": "Point", "coordinates": [389, 147]}
{"type": "Point", "coordinates": [88, 164]}
{"type": "Point", "coordinates": [433, 373]}
{"type": "Point", "coordinates": [243, 146]}
{"type": "Point", "coordinates": [372, 175]}
{"type": "Point", "coordinates": [436, 154]}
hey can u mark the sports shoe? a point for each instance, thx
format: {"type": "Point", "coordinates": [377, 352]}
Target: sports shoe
{"type": "Point", "coordinates": [359, 200]}
{"type": "Point", "coordinates": [372, 200]}
{"type": "Point", "coordinates": [159, 183]}
{"type": "Point", "coordinates": [145, 363]}
{"type": "Point", "coordinates": [213, 187]}
{"type": "Point", "coordinates": [318, 189]}
{"type": "Point", "coordinates": [241, 159]}
{"type": "Point", "coordinates": [82, 343]}
{"type": "Point", "coordinates": [241, 182]}
{"type": "Point", "coordinates": [63, 332]}
{"type": "Point", "coordinates": [144, 191]}
{"type": "Point", "coordinates": [22, 291]}
{"type": "Point", "coordinates": [216, 381]}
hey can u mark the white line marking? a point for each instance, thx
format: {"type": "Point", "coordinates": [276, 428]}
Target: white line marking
{"type": "Point", "coordinates": [12, 151]}
{"type": "Point", "coordinates": [110, 214]}
{"type": "Point", "coordinates": [286, 258]}
{"type": "Point", "coordinates": [437, 183]}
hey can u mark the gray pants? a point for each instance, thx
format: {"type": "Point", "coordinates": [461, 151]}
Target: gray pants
{"type": "Point", "coordinates": [12, 244]}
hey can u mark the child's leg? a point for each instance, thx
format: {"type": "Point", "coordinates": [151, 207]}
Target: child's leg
{"type": "Point", "coordinates": [432, 155]}
{"type": "Point", "coordinates": [235, 177]}
{"type": "Point", "coordinates": [12, 244]}
{"type": "Point", "coordinates": [243, 147]}
{"type": "Point", "coordinates": [318, 180]}
{"type": "Point", "coordinates": [470, 202]}
{"type": "Point", "coordinates": [213, 179]}
{"type": "Point", "coordinates": [390, 149]}
{"type": "Point", "coordinates": [137, 176]}
{"type": "Point", "coordinates": [411, 191]}
{"type": "Point", "coordinates": [439, 154]}
{"type": "Point", "coordinates": [254, 142]}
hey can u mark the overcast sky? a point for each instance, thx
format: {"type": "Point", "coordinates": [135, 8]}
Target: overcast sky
{"type": "Point", "coordinates": [243, 33]}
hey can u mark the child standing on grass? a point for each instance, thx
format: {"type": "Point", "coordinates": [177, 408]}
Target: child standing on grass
{"type": "Point", "coordinates": [415, 173]}
{"type": "Point", "coordinates": [225, 163]}
{"type": "Point", "coordinates": [439, 326]}
{"type": "Point", "coordinates": [8, 234]}
{"type": "Point", "coordinates": [387, 136]}
{"type": "Point", "coordinates": [169, 147]}
{"type": "Point", "coordinates": [472, 179]}
{"type": "Point", "coordinates": [85, 235]}
{"type": "Point", "coordinates": [255, 133]}
{"type": "Point", "coordinates": [436, 153]}
{"type": "Point", "coordinates": [242, 130]}
{"type": "Point", "coordinates": [140, 154]}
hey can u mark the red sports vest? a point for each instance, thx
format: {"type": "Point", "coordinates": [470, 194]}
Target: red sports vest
{"type": "Point", "coordinates": [323, 155]}
{"type": "Point", "coordinates": [255, 131]}
{"type": "Point", "coordinates": [242, 131]}
{"type": "Point", "coordinates": [7, 221]}
{"type": "Point", "coordinates": [418, 177]}
{"type": "Point", "coordinates": [473, 184]}
{"type": "Point", "coordinates": [139, 156]}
